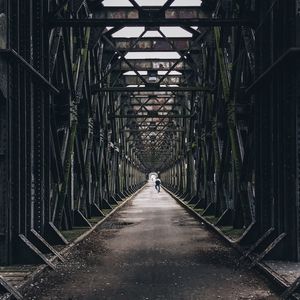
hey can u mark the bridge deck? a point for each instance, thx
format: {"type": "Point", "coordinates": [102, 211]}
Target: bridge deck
{"type": "Point", "coordinates": [151, 249]}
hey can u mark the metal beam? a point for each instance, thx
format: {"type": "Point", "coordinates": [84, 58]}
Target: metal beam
{"type": "Point", "coordinates": [205, 22]}
{"type": "Point", "coordinates": [153, 44]}
{"type": "Point", "coordinates": [150, 117]}
{"type": "Point", "coordinates": [289, 54]}
{"type": "Point", "coordinates": [149, 130]}
{"type": "Point", "coordinates": [113, 12]}
{"type": "Point", "coordinates": [135, 80]}
{"type": "Point", "coordinates": [95, 89]}
{"type": "Point", "coordinates": [13, 57]}
{"type": "Point", "coordinates": [154, 64]}
{"type": "Point", "coordinates": [152, 104]}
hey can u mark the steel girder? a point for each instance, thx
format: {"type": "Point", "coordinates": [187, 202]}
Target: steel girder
{"type": "Point", "coordinates": [201, 22]}
{"type": "Point", "coordinates": [74, 137]}
{"type": "Point", "coordinates": [245, 152]}
{"type": "Point", "coordinates": [210, 168]}
{"type": "Point", "coordinates": [61, 161]}
{"type": "Point", "coordinates": [276, 90]}
{"type": "Point", "coordinates": [158, 64]}
{"type": "Point", "coordinates": [153, 44]}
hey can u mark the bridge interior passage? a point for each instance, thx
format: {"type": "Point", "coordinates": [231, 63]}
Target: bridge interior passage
{"type": "Point", "coordinates": [95, 95]}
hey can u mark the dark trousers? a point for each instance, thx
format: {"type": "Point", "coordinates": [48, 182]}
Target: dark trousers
{"type": "Point", "coordinates": [157, 186]}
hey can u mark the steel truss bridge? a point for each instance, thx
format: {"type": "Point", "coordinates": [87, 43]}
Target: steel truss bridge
{"type": "Point", "coordinates": [84, 117]}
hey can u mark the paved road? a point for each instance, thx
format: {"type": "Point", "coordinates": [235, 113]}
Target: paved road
{"type": "Point", "coordinates": [151, 249]}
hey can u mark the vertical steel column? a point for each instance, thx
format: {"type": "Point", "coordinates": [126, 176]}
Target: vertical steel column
{"type": "Point", "coordinates": [5, 230]}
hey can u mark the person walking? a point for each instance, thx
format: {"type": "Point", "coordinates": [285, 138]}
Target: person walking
{"type": "Point", "coordinates": [157, 184]}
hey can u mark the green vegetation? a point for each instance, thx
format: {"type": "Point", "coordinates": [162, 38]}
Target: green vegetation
{"type": "Point", "coordinates": [106, 211]}
{"type": "Point", "coordinates": [199, 210]}
{"type": "Point", "coordinates": [73, 234]}
{"type": "Point", "coordinates": [211, 219]}
{"type": "Point", "coordinates": [231, 232]}
{"type": "Point", "coordinates": [192, 205]}
{"type": "Point", "coordinates": [95, 220]}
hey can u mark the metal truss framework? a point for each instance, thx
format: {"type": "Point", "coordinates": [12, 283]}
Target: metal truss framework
{"type": "Point", "coordinates": [63, 161]}
{"type": "Point", "coordinates": [220, 123]}
{"type": "Point", "coordinates": [241, 165]}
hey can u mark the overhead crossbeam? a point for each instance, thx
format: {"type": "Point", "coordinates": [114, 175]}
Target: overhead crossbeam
{"type": "Point", "coordinates": [151, 130]}
{"type": "Point", "coordinates": [168, 80]}
{"type": "Point", "coordinates": [154, 64]}
{"type": "Point", "coordinates": [150, 117]}
{"type": "Point", "coordinates": [113, 12]}
{"type": "Point", "coordinates": [200, 22]}
{"type": "Point", "coordinates": [96, 89]}
{"type": "Point", "coordinates": [151, 44]}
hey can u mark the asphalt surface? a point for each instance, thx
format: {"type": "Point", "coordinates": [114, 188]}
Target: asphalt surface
{"type": "Point", "coordinates": [151, 249]}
